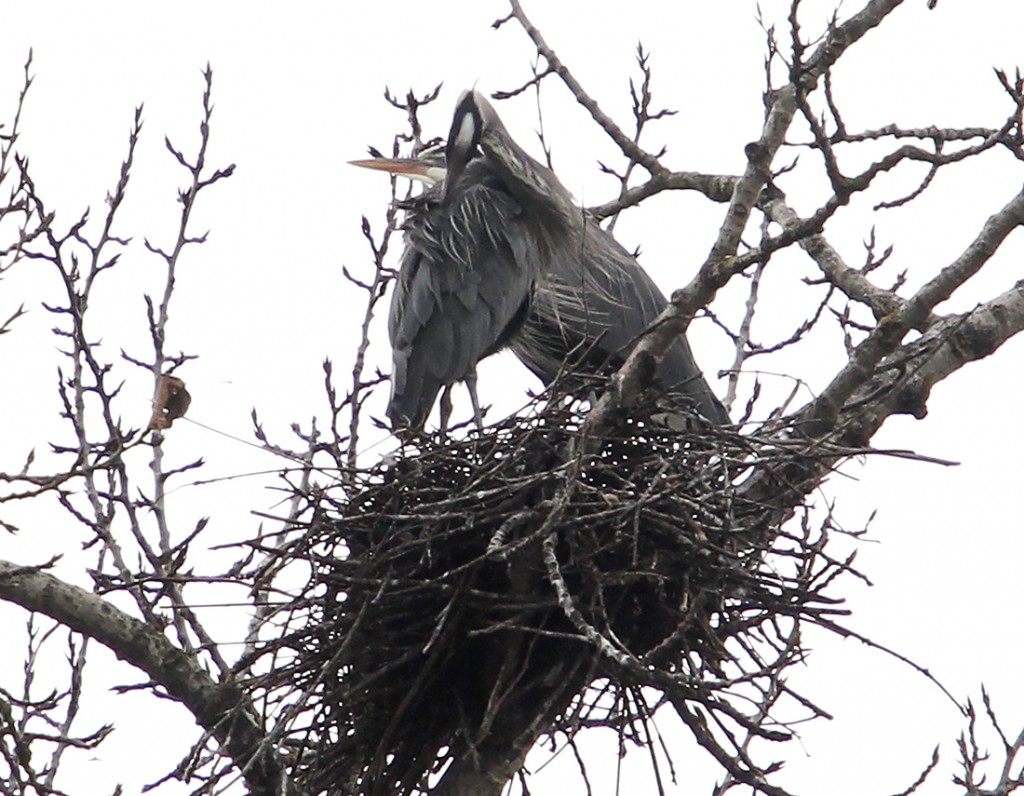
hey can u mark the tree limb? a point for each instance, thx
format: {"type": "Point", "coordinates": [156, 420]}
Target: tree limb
{"type": "Point", "coordinates": [220, 708]}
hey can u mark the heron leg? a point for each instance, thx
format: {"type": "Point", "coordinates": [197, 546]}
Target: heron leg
{"type": "Point", "coordinates": [478, 416]}
{"type": "Point", "coordinates": [446, 409]}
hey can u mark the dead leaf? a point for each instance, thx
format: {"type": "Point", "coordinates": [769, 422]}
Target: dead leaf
{"type": "Point", "coordinates": [171, 402]}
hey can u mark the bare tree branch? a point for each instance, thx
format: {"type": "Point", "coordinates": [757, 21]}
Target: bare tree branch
{"type": "Point", "coordinates": [221, 708]}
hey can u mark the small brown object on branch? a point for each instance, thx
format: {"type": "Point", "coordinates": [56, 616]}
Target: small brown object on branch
{"type": "Point", "coordinates": [171, 402]}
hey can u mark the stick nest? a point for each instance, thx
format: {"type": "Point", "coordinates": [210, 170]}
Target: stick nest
{"type": "Point", "coordinates": [472, 595]}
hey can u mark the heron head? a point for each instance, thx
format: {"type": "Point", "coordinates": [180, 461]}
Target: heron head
{"type": "Point", "coordinates": [474, 118]}
{"type": "Point", "coordinates": [478, 133]}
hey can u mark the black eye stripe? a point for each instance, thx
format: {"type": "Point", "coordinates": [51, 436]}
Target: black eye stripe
{"type": "Point", "coordinates": [467, 106]}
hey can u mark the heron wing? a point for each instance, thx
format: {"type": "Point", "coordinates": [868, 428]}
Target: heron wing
{"type": "Point", "coordinates": [590, 308]}
{"type": "Point", "coordinates": [464, 287]}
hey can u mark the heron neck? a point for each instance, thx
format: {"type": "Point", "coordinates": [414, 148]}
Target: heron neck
{"type": "Point", "coordinates": [535, 186]}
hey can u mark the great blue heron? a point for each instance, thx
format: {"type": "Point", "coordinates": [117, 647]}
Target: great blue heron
{"type": "Point", "coordinates": [498, 254]}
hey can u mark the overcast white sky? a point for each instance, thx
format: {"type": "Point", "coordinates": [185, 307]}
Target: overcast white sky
{"type": "Point", "coordinates": [298, 93]}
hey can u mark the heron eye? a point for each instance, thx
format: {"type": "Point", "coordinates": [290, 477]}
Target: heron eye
{"type": "Point", "coordinates": [432, 149]}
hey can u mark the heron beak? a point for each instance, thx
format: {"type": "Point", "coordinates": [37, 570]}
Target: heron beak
{"type": "Point", "coordinates": [412, 168]}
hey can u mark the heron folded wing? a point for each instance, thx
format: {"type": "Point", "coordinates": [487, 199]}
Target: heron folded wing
{"type": "Point", "coordinates": [463, 290]}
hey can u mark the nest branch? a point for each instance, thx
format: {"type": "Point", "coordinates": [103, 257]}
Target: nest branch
{"type": "Point", "coordinates": [474, 595]}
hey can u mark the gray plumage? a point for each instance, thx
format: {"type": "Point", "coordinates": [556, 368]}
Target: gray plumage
{"type": "Point", "coordinates": [588, 311]}
{"type": "Point", "coordinates": [497, 253]}
{"type": "Point", "coordinates": [463, 289]}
